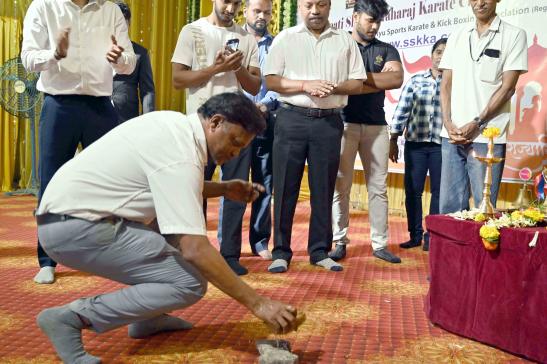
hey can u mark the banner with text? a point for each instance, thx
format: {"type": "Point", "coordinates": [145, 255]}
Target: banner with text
{"type": "Point", "coordinates": [414, 26]}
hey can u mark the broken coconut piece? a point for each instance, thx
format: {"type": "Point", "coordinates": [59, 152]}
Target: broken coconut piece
{"type": "Point", "coordinates": [275, 352]}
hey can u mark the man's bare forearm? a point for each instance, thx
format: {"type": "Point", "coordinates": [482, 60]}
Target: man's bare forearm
{"type": "Point", "coordinates": [446, 99]}
{"type": "Point", "coordinates": [385, 80]}
{"type": "Point", "coordinates": [366, 89]}
{"type": "Point", "coordinates": [284, 85]}
{"type": "Point", "coordinates": [198, 251]}
{"type": "Point", "coordinates": [249, 79]}
{"type": "Point", "coordinates": [187, 78]}
{"type": "Point", "coordinates": [501, 95]}
{"type": "Point", "coordinates": [213, 189]}
{"type": "Point", "coordinates": [349, 87]}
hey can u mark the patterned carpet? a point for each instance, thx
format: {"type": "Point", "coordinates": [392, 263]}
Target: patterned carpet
{"type": "Point", "coordinates": [372, 312]}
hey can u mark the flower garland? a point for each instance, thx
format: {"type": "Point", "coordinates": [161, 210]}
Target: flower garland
{"type": "Point", "coordinates": [490, 231]}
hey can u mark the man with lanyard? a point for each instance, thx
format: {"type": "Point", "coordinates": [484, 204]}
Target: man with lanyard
{"type": "Point", "coordinates": [76, 46]}
{"type": "Point", "coordinates": [418, 114]}
{"type": "Point", "coordinates": [313, 67]}
{"type": "Point", "coordinates": [481, 66]}
{"type": "Point", "coordinates": [205, 65]}
{"type": "Point", "coordinates": [257, 157]}
{"type": "Point", "coordinates": [366, 132]}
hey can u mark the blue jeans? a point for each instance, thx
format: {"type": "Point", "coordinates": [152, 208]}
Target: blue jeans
{"type": "Point", "coordinates": [260, 226]}
{"type": "Point", "coordinates": [230, 214]}
{"type": "Point", "coordinates": [66, 121]}
{"type": "Point", "coordinates": [419, 159]}
{"type": "Point", "coordinates": [462, 174]}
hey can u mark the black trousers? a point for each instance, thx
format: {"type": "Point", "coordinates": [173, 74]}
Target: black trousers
{"type": "Point", "coordinates": [66, 121]}
{"type": "Point", "coordinates": [299, 138]}
{"type": "Point", "coordinates": [421, 157]}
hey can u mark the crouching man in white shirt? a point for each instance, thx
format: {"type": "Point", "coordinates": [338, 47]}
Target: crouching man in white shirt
{"type": "Point", "coordinates": [129, 208]}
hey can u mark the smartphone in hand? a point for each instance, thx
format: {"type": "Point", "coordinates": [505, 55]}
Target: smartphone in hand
{"type": "Point", "coordinates": [232, 45]}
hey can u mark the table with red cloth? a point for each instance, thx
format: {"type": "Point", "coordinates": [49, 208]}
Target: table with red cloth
{"type": "Point", "coordinates": [496, 297]}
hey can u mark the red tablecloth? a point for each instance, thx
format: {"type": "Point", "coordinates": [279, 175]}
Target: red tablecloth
{"type": "Point", "coordinates": [499, 297]}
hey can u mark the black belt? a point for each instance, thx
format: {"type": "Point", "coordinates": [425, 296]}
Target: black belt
{"type": "Point", "coordinates": [51, 218]}
{"type": "Point", "coordinates": [310, 112]}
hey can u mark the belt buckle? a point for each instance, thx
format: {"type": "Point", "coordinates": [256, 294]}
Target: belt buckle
{"type": "Point", "coordinates": [314, 113]}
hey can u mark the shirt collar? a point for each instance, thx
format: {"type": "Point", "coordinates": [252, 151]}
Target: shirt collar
{"type": "Point", "coordinates": [329, 29]}
{"type": "Point", "coordinates": [267, 36]}
{"type": "Point", "coordinates": [494, 26]}
{"type": "Point", "coordinates": [372, 42]}
{"type": "Point", "coordinates": [90, 2]}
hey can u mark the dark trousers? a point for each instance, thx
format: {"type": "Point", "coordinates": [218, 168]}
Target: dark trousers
{"type": "Point", "coordinates": [230, 215]}
{"type": "Point", "coordinates": [419, 159]}
{"type": "Point", "coordinates": [258, 157]}
{"type": "Point", "coordinates": [66, 121]}
{"type": "Point", "coordinates": [299, 138]}
{"type": "Point", "coordinates": [260, 226]}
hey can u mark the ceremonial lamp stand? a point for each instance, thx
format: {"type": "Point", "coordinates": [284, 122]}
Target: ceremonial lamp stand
{"type": "Point", "coordinates": [486, 207]}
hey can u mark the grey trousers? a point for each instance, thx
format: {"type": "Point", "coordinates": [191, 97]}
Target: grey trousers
{"type": "Point", "coordinates": [159, 278]}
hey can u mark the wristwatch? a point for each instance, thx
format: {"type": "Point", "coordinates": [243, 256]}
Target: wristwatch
{"type": "Point", "coordinates": [480, 122]}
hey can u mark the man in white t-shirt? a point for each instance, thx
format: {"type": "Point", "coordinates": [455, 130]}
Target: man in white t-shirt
{"type": "Point", "coordinates": [206, 66]}
{"type": "Point", "coordinates": [481, 66]}
{"type": "Point", "coordinates": [129, 208]}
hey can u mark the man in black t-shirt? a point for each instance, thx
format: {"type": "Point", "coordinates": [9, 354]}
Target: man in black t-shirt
{"type": "Point", "coordinates": [366, 132]}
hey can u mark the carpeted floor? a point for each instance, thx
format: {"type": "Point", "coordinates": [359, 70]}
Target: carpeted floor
{"type": "Point", "coordinates": [372, 312]}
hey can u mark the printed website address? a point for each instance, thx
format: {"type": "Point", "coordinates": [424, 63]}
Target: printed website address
{"type": "Point", "coordinates": [416, 41]}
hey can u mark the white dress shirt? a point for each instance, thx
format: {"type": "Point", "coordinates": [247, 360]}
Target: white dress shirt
{"type": "Point", "coordinates": [477, 65]}
{"type": "Point", "coordinates": [85, 70]}
{"type": "Point", "coordinates": [297, 54]}
{"type": "Point", "coordinates": [148, 167]}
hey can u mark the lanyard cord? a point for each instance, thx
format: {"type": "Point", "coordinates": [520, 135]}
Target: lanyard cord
{"type": "Point", "coordinates": [492, 36]}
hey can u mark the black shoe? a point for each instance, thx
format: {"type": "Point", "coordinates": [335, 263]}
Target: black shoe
{"type": "Point", "coordinates": [338, 253]}
{"type": "Point", "coordinates": [426, 242]}
{"type": "Point", "coordinates": [410, 244]}
{"type": "Point", "coordinates": [386, 255]}
{"type": "Point", "coordinates": [236, 267]}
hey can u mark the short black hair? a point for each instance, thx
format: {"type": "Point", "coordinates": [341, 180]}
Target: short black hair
{"type": "Point", "coordinates": [377, 9]}
{"type": "Point", "coordinates": [125, 9]}
{"type": "Point", "coordinates": [438, 43]}
{"type": "Point", "coordinates": [237, 109]}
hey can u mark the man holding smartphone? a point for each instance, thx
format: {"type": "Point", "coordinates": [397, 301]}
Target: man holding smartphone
{"type": "Point", "coordinates": [215, 55]}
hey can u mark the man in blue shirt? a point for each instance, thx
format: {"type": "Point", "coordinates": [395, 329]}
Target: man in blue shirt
{"type": "Point", "coordinates": [419, 112]}
{"type": "Point", "coordinates": [257, 157]}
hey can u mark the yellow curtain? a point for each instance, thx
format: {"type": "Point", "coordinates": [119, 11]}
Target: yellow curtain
{"type": "Point", "coordinates": [11, 127]}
